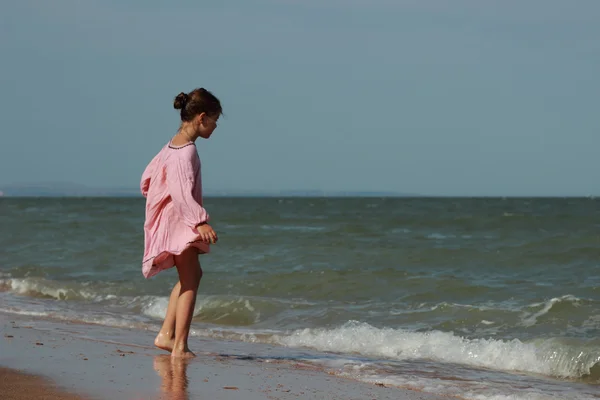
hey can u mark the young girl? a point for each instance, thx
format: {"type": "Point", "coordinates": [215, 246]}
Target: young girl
{"type": "Point", "coordinates": [176, 229]}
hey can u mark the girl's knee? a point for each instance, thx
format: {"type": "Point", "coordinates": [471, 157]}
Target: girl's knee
{"type": "Point", "coordinates": [189, 281]}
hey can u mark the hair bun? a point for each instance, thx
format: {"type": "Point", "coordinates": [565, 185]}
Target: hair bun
{"type": "Point", "coordinates": [180, 101]}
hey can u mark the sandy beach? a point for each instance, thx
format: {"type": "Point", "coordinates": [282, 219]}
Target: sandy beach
{"type": "Point", "coordinates": [17, 385]}
{"type": "Point", "coordinates": [53, 360]}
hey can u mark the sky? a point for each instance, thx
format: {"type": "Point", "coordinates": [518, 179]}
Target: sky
{"type": "Point", "coordinates": [455, 98]}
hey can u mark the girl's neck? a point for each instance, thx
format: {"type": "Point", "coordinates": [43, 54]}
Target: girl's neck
{"type": "Point", "coordinates": [187, 133]}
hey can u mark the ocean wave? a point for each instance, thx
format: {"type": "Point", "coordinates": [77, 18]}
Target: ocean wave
{"type": "Point", "coordinates": [222, 310]}
{"type": "Point", "coordinates": [87, 317]}
{"type": "Point", "coordinates": [548, 356]}
{"type": "Point", "coordinates": [217, 309]}
{"type": "Point", "coordinates": [293, 228]}
{"type": "Point", "coordinates": [555, 357]}
{"type": "Point", "coordinates": [530, 318]}
{"type": "Point", "coordinates": [53, 289]}
{"type": "Point", "coordinates": [411, 374]}
{"type": "Point", "coordinates": [267, 303]}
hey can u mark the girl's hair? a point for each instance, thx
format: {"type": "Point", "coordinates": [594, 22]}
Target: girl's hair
{"type": "Point", "coordinates": [196, 102]}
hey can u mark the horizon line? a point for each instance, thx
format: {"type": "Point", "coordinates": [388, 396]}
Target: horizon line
{"type": "Point", "coordinates": [307, 196]}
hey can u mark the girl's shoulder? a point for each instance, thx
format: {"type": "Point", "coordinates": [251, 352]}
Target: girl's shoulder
{"type": "Point", "coordinates": [187, 145]}
{"type": "Point", "coordinates": [185, 151]}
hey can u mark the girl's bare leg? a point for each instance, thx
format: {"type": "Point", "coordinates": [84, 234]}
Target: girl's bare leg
{"type": "Point", "coordinates": [190, 273]}
{"type": "Point", "coordinates": [166, 336]}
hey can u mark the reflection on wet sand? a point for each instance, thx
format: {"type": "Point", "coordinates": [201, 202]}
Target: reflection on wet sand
{"type": "Point", "coordinates": [173, 372]}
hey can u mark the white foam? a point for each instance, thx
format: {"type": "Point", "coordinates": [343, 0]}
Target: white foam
{"type": "Point", "coordinates": [156, 307]}
{"type": "Point", "coordinates": [105, 320]}
{"type": "Point", "coordinates": [530, 319]}
{"type": "Point", "coordinates": [546, 357]}
{"type": "Point", "coordinates": [296, 228]}
{"type": "Point", "coordinates": [25, 312]}
{"type": "Point", "coordinates": [529, 396]}
{"type": "Point", "coordinates": [24, 286]}
{"type": "Point", "coordinates": [52, 289]}
{"type": "Point", "coordinates": [464, 387]}
{"type": "Point", "coordinates": [400, 230]}
{"type": "Point", "coordinates": [438, 236]}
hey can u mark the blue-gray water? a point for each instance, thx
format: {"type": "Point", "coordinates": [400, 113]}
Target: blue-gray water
{"type": "Point", "coordinates": [485, 298]}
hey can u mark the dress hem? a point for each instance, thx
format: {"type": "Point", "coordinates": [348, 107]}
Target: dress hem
{"type": "Point", "coordinates": [168, 261]}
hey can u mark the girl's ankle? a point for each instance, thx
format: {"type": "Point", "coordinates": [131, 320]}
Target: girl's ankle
{"type": "Point", "coordinates": [181, 345]}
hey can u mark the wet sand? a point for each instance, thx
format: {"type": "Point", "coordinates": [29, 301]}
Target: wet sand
{"type": "Point", "coordinates": [17, 385]}
{"type": "Point", "coordinates": [98, 362]}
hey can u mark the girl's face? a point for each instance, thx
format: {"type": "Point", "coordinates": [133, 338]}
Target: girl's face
{"type": "Point", "coordinates": [205, 125]}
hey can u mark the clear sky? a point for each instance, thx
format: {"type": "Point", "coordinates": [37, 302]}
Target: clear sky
{"type": "Point", "coordinates": [429, 97]}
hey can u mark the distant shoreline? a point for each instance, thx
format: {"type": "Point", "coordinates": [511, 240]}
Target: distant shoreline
{"type": "Point", "coordinates": [287, 196]}
{"type": "Point", "coordinates": [62, 190]}
{"type": "Point", "coordinates": [67, 190]}
{"type": "Point", "coordinates": [210, 195]}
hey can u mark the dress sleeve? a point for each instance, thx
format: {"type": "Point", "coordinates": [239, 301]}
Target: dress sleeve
{"type": "Point", "coordinates": [145, 182]}
{"type": "Point", "coordinates": [181, 179]}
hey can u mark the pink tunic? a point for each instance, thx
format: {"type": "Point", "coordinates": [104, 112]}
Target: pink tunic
{"type": "Point", "coordinates": [172, 186]}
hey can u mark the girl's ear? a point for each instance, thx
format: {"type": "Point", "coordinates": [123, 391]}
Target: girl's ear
{"type": "Point", "coordinates": [201, 118]}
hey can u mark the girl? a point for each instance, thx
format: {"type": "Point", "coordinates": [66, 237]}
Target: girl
{"type": "Point", "coordinates": [176, 229]}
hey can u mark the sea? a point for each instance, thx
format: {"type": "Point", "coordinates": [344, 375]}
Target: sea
{"type": "Point", "coordinates": [482, 298]}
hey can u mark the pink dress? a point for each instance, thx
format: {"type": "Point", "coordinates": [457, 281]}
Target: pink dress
{"type": "Point", "coordinates": [172, 186]}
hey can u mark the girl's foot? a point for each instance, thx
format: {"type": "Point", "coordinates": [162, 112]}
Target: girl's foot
{"type": "Point", "coordinates": [182, 352]}
{"type": "Point", "coordinates": [164, 342]}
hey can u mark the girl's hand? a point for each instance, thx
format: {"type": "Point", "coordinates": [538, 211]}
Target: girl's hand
{"type": "Point", "coordinates": [207, 234]}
